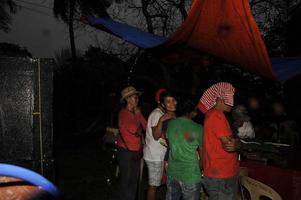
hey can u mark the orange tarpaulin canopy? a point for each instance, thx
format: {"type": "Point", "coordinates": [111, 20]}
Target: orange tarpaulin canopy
{"type": "Point", "coordinates": [226, 29]}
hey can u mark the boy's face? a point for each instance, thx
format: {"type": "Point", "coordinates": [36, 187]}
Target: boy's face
{"type": "Point", "coordinates": [170, 104]}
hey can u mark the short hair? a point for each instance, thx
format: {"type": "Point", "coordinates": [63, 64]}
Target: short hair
{"type": "Point", "coordinates": [165, 94]}
{"type": "Point", "coordinates": [186, 106]}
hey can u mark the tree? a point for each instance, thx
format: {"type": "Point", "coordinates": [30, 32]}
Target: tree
{"type": "Point", "coordinates": [278, 21]}
{"type": "Point", "coordinates": [7, 8]}
{"type": "Point", "coordinates": [71, 10]}
{"type": "Point", "coordinates": [7, 49]}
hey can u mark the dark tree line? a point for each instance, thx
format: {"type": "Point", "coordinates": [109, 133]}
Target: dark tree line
{"type": "Point", "coordinates": [7, 8]}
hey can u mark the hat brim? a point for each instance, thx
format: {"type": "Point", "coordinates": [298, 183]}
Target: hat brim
{"type": "Point", "coordinates": [136, 92]}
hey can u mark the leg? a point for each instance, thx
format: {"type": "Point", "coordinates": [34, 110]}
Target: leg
{"type": "Point", "coordinates": [191, 191]}
{"type": "Point", "coordinates": [221, 189]}
{"type": "Point", "coordinates": [124, 163]}
{"type": "Point", "coordinates": [155, 170]}
{"type": "Point", "coordinates": [151, 192]}
{"type": "Point", "coordinates": [134, 175]}
{"type": "Point", "coordinates": [211, 186]}
{"type": "Point", "coordinates": [229, 189]}
{"type": "Point", "coordinates": [173, 189]}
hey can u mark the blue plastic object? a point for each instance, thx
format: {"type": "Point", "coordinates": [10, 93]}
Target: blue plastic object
{"type": "Point", "coordinates": [29, 176]}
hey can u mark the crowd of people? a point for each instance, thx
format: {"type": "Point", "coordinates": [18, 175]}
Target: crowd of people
{"type": "Point", "coordinates": [191, 157]}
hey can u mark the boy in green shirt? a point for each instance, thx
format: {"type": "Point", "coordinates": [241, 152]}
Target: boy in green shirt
{"type": "Point", "coordinates": [184, 164]}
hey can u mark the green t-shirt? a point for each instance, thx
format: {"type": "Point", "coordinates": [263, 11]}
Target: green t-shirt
{"type": "Point", "coordinates": [184, 137]}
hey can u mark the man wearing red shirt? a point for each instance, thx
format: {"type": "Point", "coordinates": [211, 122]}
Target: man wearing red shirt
{"type": "Point", "coordinates": [220, 162]}
{"type": "Point", "coordinates": [130, 122]}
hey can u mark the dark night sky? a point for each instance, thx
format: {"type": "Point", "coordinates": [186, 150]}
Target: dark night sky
{"type": "Point", "coordinates": [35, 28]}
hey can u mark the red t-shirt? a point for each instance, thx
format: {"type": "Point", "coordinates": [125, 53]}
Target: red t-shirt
{"type": "Point", "coordinates": [129, 124]}
{"type": "Point", "coordinates": [217, 162]}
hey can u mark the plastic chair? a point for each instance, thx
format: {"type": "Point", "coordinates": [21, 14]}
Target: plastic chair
{"type": "Point", "coordinates": [258, 189]}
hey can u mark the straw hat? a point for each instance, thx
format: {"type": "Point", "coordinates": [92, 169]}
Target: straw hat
{"type": "Point", "coordinates": [129, 91]}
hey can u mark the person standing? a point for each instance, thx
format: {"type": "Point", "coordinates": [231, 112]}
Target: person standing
{"type": "Point", "coordinates": [155, 147]}
{"type": "Point", "coordinates": [129, 151]}
{"type": "Point", "coordinates": [242, 126]}
{"type": "Point", "coordinates": [220, 160]}
{"type": "Point", "coordinates": [184, 164]}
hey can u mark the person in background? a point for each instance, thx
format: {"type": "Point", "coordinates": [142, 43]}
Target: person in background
{"type": "Point", "coordinates": [285, 129]}
{"type": "Point", "coordinates": [129, 151]}
{"type": "Point", "coordinates": [257, 110]}
{"type": "Point", "coordinates": [184, 163]}
{"type": "Point", "coordinates": [220, 160]}
{"type": "Point", "coordinates": [242, 127]}
{"type": "Point", "coordinates": [154, 151]}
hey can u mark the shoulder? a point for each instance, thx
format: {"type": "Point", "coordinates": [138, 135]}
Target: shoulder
{"type": "Point", "coordinates": [156, 113]}
{"type": "Point", "coordinates": [215, 115]}
{"type": "Point", "coordinates": [196, 125]}
{"type": "Point", "coordinates": [123, 113]}
{"type": "Point", "coordinates": [173, 122]}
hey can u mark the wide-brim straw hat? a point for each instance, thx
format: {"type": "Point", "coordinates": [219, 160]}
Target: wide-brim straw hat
{"type": "Point", "coordinates": [129, 91]}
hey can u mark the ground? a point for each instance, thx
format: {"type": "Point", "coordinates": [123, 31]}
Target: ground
{"type": "Point", "coordinates": [85, 169]}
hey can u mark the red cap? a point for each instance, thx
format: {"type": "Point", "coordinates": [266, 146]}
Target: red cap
{"type": "Point", "coordinates": [158, 93]}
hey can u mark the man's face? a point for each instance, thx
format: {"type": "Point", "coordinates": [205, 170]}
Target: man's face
{"type": "Point", "coordinates": [227, 108]}
{"type": "Point", "coordinates": [170, 104]}
{"type": "Point", "coordinates": [133, 100]}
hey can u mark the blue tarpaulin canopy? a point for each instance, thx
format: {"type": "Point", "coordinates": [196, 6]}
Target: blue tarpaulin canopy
{"type": "Point", "coordinates": [286, 68]}
{"type": "Point", "coordinates": [128, 33]}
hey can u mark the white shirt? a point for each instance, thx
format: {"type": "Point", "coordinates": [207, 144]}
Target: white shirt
{"type": "Point", "coordinates": [153, 150]}
{"type": "Point", "coordinates": [246, 131]}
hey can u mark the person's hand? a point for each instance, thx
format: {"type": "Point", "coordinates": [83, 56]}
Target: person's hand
{"type": "Point", "coordinates": [231, 144]}
{"type": "Point", "coordinates": [166, 116]}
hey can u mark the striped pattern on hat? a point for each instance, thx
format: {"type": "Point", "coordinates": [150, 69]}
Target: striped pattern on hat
{"type": "Point", "coordinates": [222, 90]}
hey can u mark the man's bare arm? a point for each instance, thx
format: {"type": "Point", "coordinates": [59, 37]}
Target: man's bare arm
{"type": "Point", "coordinates": [229, 143]}
{"type": "Point", "coordinates": [157, 130]}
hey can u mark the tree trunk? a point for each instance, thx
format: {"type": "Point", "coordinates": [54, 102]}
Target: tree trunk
{"type": "Point", "coordinates": [182, 9]}
{"type": "Point", "coordinates": [145, 4]}
{"type": "Point", "coordinates": [71, 31]}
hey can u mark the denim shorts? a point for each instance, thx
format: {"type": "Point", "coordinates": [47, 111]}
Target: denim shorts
{"type": "Point", "coordinates": [155, 171]}
{"type": "Point", "coordinates": [177, 189]}
{"type": "Point", "coordinates": [221, 188]}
